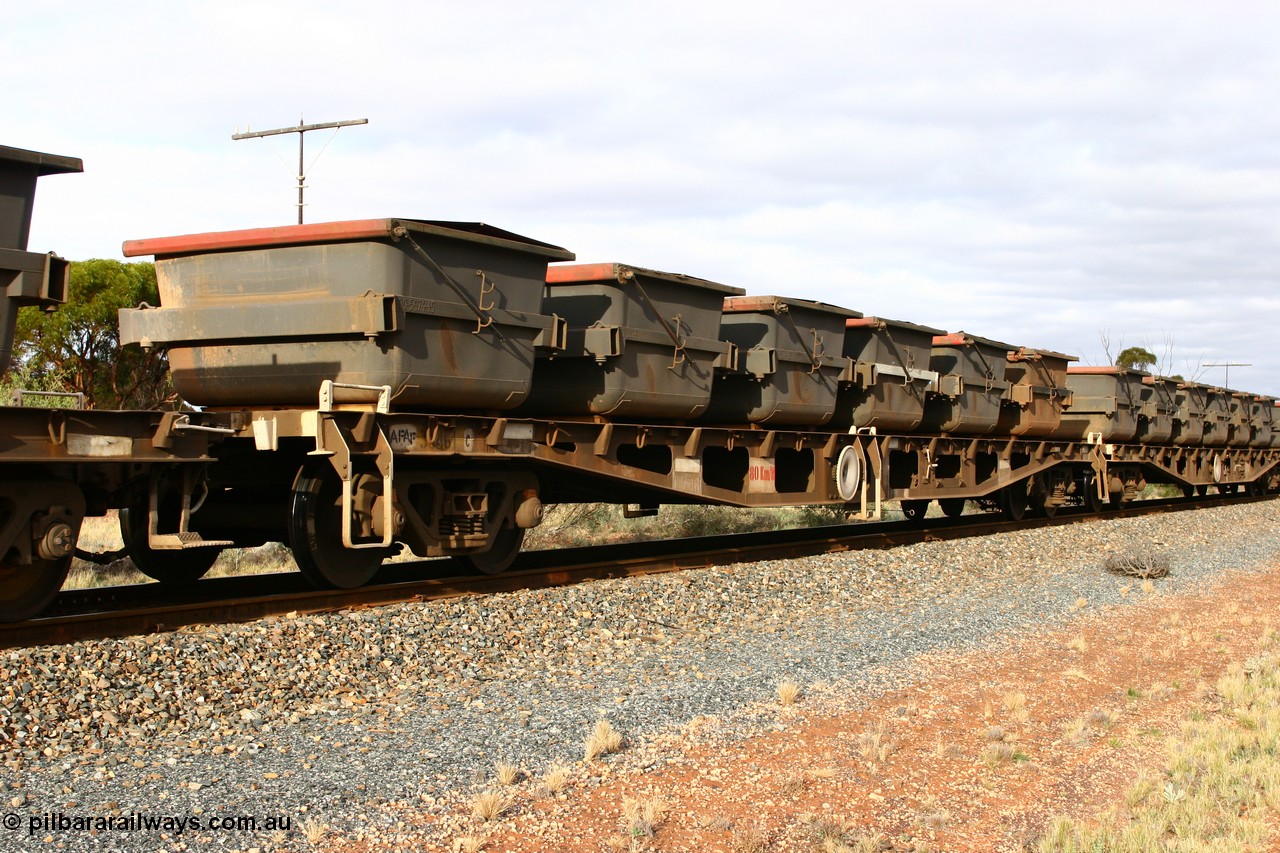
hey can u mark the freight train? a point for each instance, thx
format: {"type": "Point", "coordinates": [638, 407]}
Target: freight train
{"type": "Point", "coordinates": [362, 386]}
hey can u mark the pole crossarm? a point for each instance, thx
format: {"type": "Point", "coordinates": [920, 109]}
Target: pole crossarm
{"type": "Point", "coordinates": [300, 130]}
{"type": "Point", "coordinates": [1227, 365]}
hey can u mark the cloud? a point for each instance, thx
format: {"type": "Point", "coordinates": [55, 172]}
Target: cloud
{"type": "Point", "coordinates": [1026, 172]}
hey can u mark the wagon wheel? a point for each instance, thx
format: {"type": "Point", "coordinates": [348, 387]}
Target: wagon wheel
{"type": "Point", "coordinates": [1089, 492]}
{"type": "Point", "coordinates": [176, 568]}
{"type": "Point", "coordinates": [501, 554]}
{"type": "Point", "coordinates": [315, 532]}
{"type": "Point", "coordinates": [952, 507]}
{"type": "Point", "coordinates": [1039, 497]}
{"type": "Point", "coordinates": [1013, 501]}
{"type": "Point", "coordinates": [1188, 491]}
{"type": "Point", "coordinates": [26, 590]}
{"type": "Point", "coordinates": [914, 510]}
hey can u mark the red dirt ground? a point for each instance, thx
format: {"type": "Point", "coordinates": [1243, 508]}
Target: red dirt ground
{"type": "Point", "coordinates": [1139, 671]}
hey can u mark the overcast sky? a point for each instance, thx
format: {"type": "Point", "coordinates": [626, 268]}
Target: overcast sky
{"type": "Point", "coordinates": [1037, 173]}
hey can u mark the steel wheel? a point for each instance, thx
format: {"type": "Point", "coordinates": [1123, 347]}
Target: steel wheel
{"type": "Point", "coordinates": [501, 554]}
{"type": "Point", "coordinates": [914, 510]}
{"type": "Point", "coordinates": [315, 532]}
{"type": "Point", "coordinates": [26, 590]}
{"type": "Point", "coordinates": [176, 568]}
{"type": "Point", "coordinates": [1040, 497]}
{"type": "Point", "coordinates": [952, 507]}
{"type": "Point", "coordinates": [1013, 500]}
{"type": "Point", "coordinates": [1089, 492]}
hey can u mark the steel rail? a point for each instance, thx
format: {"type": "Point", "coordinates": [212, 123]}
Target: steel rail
{"type": "Point", "coordinates": [151, 608]}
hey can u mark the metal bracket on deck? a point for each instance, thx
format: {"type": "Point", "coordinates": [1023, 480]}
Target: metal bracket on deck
{"type": "Point", "coordinates": [327, 397]}
{"type": "Point", "coordinates": [335, 443]}
{"type": "Point", "coordinates": [1102, 479]}
{"type": "Point", "coordinates": [184, 537]}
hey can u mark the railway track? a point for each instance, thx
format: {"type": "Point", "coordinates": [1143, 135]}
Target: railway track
{"type": "Point", "coordinates": [151, 608]}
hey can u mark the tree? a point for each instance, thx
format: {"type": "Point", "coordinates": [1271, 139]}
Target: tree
{"type": "Point", "coordinates": [80, 341]}
{"type": "Point", "coordinates": [1136, 358]}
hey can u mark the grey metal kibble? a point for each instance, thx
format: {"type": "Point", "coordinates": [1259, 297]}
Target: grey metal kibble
{"type": "Point", "coordinates": [364, 720]}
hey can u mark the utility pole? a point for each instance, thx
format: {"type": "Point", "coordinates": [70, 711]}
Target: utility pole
{"type": "Point", "coordinates": [300, 130]}
{"type": "Point", "coordinates": [1226, 372]}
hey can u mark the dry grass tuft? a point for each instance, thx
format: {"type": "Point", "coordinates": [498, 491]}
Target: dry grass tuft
{"type": "Point", "coordinates": [468, 844]}
{"type": "Point", "coordinates": [556, 779]}
{"type": "Point", "coordinates": [603, 740]}
{"type": "Point", "coordinates": [1079, 644]}
{"type": "Point", "coordinates": [1140, 792]}
{"type": "Point", "coordinates": [507, 774]}
{"type": "Point", "coordinates": [1138, 564]}
{"type": "Point", "coordinates": [489, 805]}
{"type": "Point", "coordinates": [1077, 732]}
{"type": "Point", "coordinates": [788, 693]}
{"type": "Point", "coordinates": [1016, 704]}
{"type": "Point", "coordinates": [749, 840]}
{"type": "Point", "coordinates": [997, 754]}
{"type": "Point", "coordinates": [875, 744]}
{"type": "Point", "coordinates": [793, 785]}
{"type": "Point", "coordinates": [313, 830]}
{"type": "Point", "coordinates": [934, 817]}
{"type": "Point", "coordinates": [826, 832]}
{"type": "Point", "coordinates": [1100, 718]}
{"type": "Point", "coordinates": [718, 822]}
{"type": "Point", "coordinates": [1000, 753]}
{"type": "Point", "coordinates": [947, 750]}
{"type": "Point", "coordinates": [641, 817]}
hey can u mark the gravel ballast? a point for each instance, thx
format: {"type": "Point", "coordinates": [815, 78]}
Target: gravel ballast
{"type": "Point", "coordinates": [378, 723]}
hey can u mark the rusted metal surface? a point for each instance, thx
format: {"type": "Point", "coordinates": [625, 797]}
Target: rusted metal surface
{"type": "Point", "coordinates": [1262, 419]}
{"type": "Point", "coordinates": [1106, 403]}
{"type": "Point", "coordinates": [972, 386]}
{"type": "Point", "coordinates": [26, 278]}
{"type": "Point", "coordinates": [892, 378]}
{"type": "Point", "coordinates": [791, 361]}
{"type": "Point", "coordinates": [64, 464]}
{"type": "Point", "coordinates": [1038, 392]}
{"type": "Point", "coordinates": [1158, 420]}
{"type": "Point", "coordinates": [1189, 418]}
{"type": "Point", "coordinates": [330, 232]}
{"type": "Point", "coordinates": [1239, 423]}
{"type": "Point", "coordinates": [1217, 417]}
{"type": "Point", "coordinates": [19, 171]}
{"type": "Point", "coordinates": [446, 314]}
{"type": "Point", "coordinates": [88, 437]}
{"type": "Point", "coordinates": [641, 343]}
